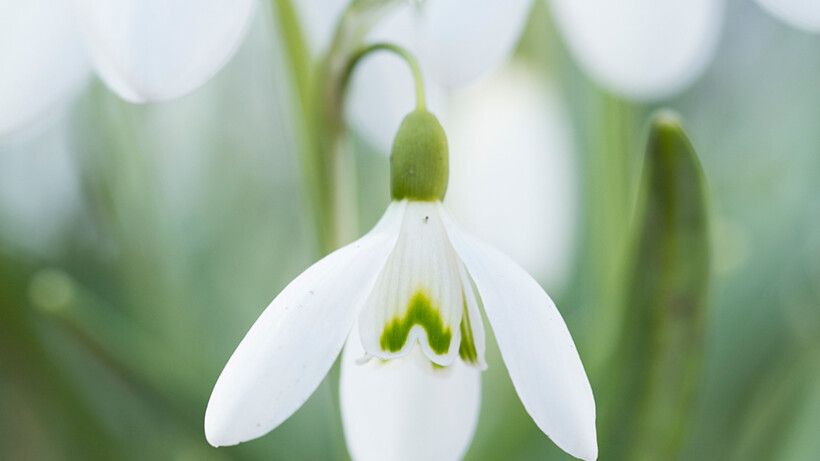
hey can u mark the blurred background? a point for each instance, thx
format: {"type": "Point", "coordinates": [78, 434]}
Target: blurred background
{"type": "Point", "coordinates": [139, 242]}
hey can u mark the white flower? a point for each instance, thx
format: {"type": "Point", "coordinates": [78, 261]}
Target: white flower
{"type": "Point", "coordinates": [144, 50]}
{"type": "Point", "coordinates": [405, 298]}
{"type": "Point", "coordinates": [156, 50]}
{"type": "Point", "coordinates": [513, 130]}
{"type": "Point", "coordinates": [649, 50]}
{"type": "Point", "coordinates": [42, 60]}
{"type": "Point", "coordinates": [802, 14]}
{"type": "Point", "coordinates": [642, 49]}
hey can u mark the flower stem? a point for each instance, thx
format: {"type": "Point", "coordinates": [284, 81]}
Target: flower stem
{"type": "Point", "coordinates": [401, 52]}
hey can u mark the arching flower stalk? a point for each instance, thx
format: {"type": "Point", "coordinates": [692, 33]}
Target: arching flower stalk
{"type": "Point", "coordinates": [406, 299]}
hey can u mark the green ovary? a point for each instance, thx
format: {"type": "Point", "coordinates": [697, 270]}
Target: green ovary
{"type": "Point", "coordinates": [421, 312]}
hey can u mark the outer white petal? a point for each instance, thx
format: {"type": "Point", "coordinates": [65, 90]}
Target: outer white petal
{"type": "Point", "coordinates": [293, 344]}
{"type": "Point", "coordinates": [405, 410]}
{"type": "Point", "coordinates": [535, 344]}
{"type": "Point", "coordinates": [802, 14]}
{"type": "Point", "coordinates": [42, 60]}
{"type": "Point", "coordinates": [154, 50]}
{"type": "Point", "coordinates": [644, 49]}
{"type": "Point", "coordinates": [461, 41]}
{"type": "Point", "coordinates": [422, 267]}
{"type": "Point", "coordinates": [319, 19]}
{"type": "Point", "coordinates": [382, 90]}
{"type": "Point", "coordinates": [513, 132]}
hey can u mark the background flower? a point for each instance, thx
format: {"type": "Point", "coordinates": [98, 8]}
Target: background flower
{"type": "Point", "coordinates": [641, 49]}
{"type": "Point", "coordinates": [803, 14]}
{"type": "Point", "coordinates": [143, 50]}
{"type": "Point", "coordinates": [535, 180]}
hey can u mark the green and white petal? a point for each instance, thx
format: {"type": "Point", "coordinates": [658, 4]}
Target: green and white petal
{"type": "Point", "coordinates": [155, 50]}
{"type": "Point", "coordinates": [418, 297]}
{"type": "Point", "coordinates": [293, 344]}
{"type": "Point", "coordinates": [802, 14]}
{"type": "Point", "coordinates": [407, 409]}
{"type": "Point", "coordinates": [642, 49]}
{"type": "Point", "coordinates": [535, 344]}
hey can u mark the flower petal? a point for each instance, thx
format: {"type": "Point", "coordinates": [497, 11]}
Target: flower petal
{"type": "Point", "coordinates": [473, 340]}
{"type": "Point", "coordinates": [42, 60]}
{"type": "Point", "coordinates": [293, 344]}
{"type": "Point", "coordinates": [406, 409]}
{"type": "Point", "coordinates": [513, 131]}
{"type": "Point", "coordinates": [461, 42]}
{"type": "Point", "coordinates": [154, 50]}
{"type": "Point", "coordinates": [802, 14]}
{"type": "Point", "coordinates": [535, 344]}
{"type": "Point", "coordinates": [418, 297]}
{"type": "Point", "coordinates": [643, 49]}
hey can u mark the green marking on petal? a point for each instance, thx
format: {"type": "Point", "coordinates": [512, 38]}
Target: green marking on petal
{"type": "Point", "coordinates": [421, 312]}
{"type": "Point", "coordinates": [467, 350]}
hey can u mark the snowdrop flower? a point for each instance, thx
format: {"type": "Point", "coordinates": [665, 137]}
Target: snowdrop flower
{"type": "Point", "coordinates": [42, 60]}
{"type": "Point", "coordinates": [648, 50]}
{"type": "Point", "coordinates": [513, 130]}
{"type": "Point", "coordinates": [642, 49]}
{"type": "Point", "coordinates": [405, 298]}
{"type": "Point", "coordinates": [802, 14]}
{"type": "Point", "coordinates": [156, 50]}
{"type": "Point", "coordinates": [144, 50]}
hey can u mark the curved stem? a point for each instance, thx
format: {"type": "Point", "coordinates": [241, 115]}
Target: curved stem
{"type": "Point", "coordinates": [401, 52]}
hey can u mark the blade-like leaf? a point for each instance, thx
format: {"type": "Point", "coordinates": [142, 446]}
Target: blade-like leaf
{"type": "Point", "coordinates": [657, 364]}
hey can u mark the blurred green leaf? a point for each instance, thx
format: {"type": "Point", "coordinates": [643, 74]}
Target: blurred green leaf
{"type": "Point", "coordinates": [42, 413]}
{"type": "Point", "coordinates": [657, 364]}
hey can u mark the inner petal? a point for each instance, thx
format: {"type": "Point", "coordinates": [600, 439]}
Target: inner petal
{"type": "Point", "coordinates": [473, 344]}
{"type": "Point", "coordinates": [418, 298]}
{"type": "Point", "coordinates": [420, 313]}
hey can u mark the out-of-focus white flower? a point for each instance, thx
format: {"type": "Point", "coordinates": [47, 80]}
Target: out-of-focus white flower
{"type": "Point", "coordinates": [405, 298]}
{"type": "Point", "coordinates": [155, 50]}
{"type": "Point", "coordinates": [144, 50]}
{"type": "Point", "coordinates": [642, 49]}
{"type": "Point", "coordinates": [455, 43]}
{"type": "Point", "coordinates": [802, 14]}
{"type": "Point", "coordinates": [512, 131]}
{"type": "Point", "coordinates": [42, 61]}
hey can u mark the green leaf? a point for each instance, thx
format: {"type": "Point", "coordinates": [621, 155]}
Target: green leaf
{"type": "Point", "coordinates": [656, 369]}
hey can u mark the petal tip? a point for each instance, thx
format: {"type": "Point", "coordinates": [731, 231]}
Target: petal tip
{"type": "Point", "coordinates": [587, 449]}
{"type": "Point", "coordinates": [591, 454]}
{"type": "Point", "coordinates": [219, 430]}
